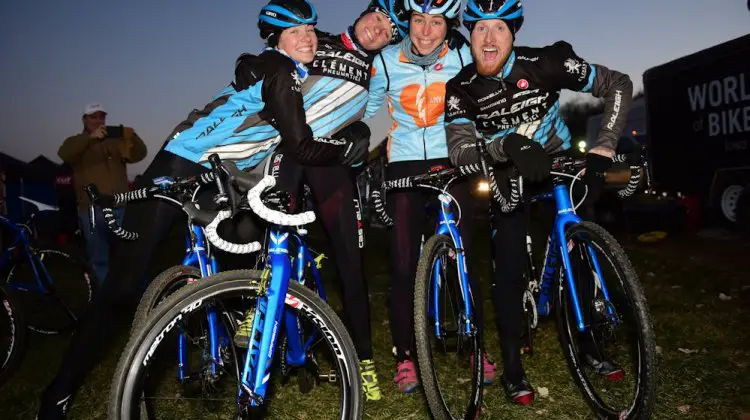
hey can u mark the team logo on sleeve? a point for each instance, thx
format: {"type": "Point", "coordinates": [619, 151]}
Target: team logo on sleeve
{"type": "Point", "coordinates": [573, 66]}
{"type": "Point", "coordinates": [297, 86]}
{"type": "Point", "coordinates": [453, 104]}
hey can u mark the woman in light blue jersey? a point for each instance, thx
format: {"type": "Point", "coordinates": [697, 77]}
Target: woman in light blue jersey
{"type": "Point", "coordinates": [412, 76]}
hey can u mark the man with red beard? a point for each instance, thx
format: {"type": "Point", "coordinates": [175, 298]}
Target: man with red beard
{"type": "Point", "coordinates": [510, 95]}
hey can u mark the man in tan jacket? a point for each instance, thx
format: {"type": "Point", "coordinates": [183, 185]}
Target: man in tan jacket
{"type": "Point", "coordinates": [99, 157]}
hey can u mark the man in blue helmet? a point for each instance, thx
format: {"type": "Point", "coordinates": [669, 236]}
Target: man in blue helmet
{"type": "Point", "coordinates": [263, 108]}
{"type": "Point", "coordinates": [510, 95]}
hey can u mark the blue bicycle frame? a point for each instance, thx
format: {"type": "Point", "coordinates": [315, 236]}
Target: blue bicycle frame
{"type": "Point", "coordinates": [448, 226]}
{"type": "Point", "coordinates": [270, 306]}
{"type": "Point", "coordinates": [21, 238]}
{"type": "Point", "coordinates": [197, 255]}
{"type": "Point", "coordinates": [557, 247]}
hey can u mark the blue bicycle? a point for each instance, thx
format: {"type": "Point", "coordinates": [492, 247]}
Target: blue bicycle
{"type": "Point", "coordinates": [591, 287]}
{"type": "Point", "coordinates": [444, 307]}
{"type": "Point", "coordinates": [446, 330]}
{"type": "Point", "coordinates": [54, 285]}
{"type": "Point", "coordinates": [200, 262]}
{"type": "Point", "coordinates": [278, 302]}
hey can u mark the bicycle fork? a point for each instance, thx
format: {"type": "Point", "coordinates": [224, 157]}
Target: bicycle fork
{"type": "Point", "coordinates": [447, 226]}
{"type": "Point", "coordinates": [197, 255]}
{"type": "Point", "coordinates": [560, 247]}
{"type": "Point", "coordinates": [270, 306]}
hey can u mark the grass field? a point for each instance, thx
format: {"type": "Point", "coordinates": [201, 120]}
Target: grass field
{"type": "Point", "coordinates": [704, 342]}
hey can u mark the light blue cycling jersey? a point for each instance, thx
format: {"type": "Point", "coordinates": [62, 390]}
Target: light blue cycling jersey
{"type": "Point", "coordinates": [416, 97]}
{"type": "Point", "coordinates": [334, 92]}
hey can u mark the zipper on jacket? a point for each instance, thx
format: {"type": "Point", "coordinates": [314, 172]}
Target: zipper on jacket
{"type": "Point", "coordinates": [426, 105]}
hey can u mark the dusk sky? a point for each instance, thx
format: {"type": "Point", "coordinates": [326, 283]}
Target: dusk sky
{"type": "Point", "coordinates": [150, 63]}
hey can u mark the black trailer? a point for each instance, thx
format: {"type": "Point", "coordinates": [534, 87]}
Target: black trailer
{"type": "Point", "coordinates": [698, 127]}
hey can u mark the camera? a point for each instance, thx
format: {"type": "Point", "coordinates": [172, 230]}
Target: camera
{"type": "Point", "coordinates": [115, 131]}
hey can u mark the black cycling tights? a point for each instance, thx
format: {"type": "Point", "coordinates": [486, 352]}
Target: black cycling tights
{"type": "Point", "coordinates": [407, 209]}
{"type": "Point", "coordinates": [114, 304]}
{"type": "Point", "coordinates": [336, 202]}
{"type": "Point", "coordinates": [510, 257]}
{"type": "Point", "coordinates": [509, 249]}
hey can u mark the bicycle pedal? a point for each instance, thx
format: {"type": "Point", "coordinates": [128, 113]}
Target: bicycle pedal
{"type": "Point", "coordinates": [331, 376]}
{"type": "Point", "coordinates": [250, 396]}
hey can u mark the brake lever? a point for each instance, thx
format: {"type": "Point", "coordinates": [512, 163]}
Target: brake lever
{"type": "Point", "coordinates": [222, 197]}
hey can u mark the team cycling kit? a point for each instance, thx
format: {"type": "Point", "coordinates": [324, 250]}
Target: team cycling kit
{"type": "Point", "coordinates": [415, 100]}
{"type": "Point", "coordinates": [523, 100]}
{"type": "Point", "coordinates": [247, 125]}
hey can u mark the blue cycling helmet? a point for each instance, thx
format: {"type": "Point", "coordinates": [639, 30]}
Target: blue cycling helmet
{"type": "Point", "coordinates": [511, 11]}
{"type": "Point", "coordinates": [447, 8]}
{"type": "Point", "coordinates": [278, 15]}
{"type": "Point", "coordinates": [396, 12]}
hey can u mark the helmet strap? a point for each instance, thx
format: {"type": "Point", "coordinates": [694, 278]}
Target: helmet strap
{"type": "Point", "coordinates": [272, 40]}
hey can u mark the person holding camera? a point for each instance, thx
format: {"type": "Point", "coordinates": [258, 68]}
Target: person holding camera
{"type": "Point", "coordinates": [99, 156]}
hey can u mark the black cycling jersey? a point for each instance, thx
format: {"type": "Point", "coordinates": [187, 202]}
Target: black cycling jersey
{"type": "Point", "coordinates": [524, 98]}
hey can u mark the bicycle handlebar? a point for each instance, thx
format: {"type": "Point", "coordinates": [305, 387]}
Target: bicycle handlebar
{"type": "Point", "coordinates": [443, 176]}
{"type": "Point", "coordinates": [164, 187]}
{"type": "Point", "coordinates": [230, 181]}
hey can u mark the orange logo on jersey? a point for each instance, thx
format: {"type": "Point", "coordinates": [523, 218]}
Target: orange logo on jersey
{"type": "Point", "coordinates": [425, 105]}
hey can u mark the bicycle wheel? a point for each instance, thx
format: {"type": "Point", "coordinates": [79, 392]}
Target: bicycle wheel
{"type": "Point", "coordinates": [163, 286]}
{"type": "Point", "coordinates": [128, 382]}
{"type": "Point", "coordinates": [66, 296]}
{"type": "Point", "coordinates": [13, 334]}
{"type": "Point", "coordinates": [454, 355]}
{"type": "Point", "coordinates": [597, 356]}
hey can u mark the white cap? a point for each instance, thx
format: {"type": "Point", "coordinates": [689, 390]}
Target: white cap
{"type": "Point", "coordinates": [93, 108]}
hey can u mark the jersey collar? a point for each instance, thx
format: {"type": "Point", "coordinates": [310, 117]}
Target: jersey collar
{"type": "Point", "coordinates": [348, 40]}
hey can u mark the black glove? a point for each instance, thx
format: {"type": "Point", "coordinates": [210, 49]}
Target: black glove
{"type": "Point", "coordinates": [456, 39]}
{"type": "Point", "coordinates": [532, 161]}
{"type": "Point", "coordinates": [247, 71]}
{"type": "Point", "coordinates": [357, 135]}
{"type": "Point", "coordinates": [596, 166]}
